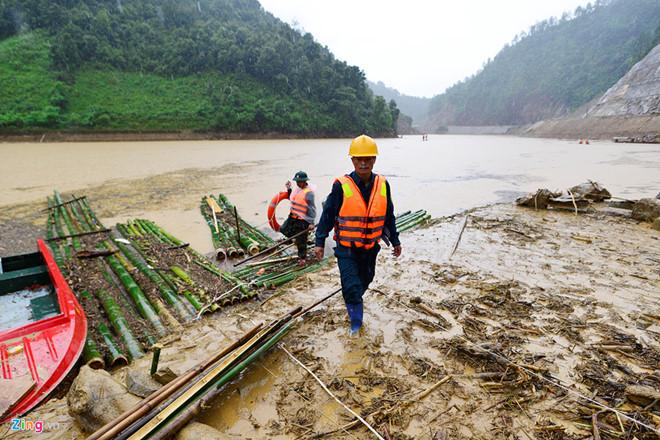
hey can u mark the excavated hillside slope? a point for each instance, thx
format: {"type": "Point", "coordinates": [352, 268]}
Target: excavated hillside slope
{"type": "Point", "coordinates": [631, 107]}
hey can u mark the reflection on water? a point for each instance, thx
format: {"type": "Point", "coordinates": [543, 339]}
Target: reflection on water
{"type": "Point", "coordinates": [165, 180]}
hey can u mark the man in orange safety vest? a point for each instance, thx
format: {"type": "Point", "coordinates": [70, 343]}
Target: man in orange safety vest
{"type": "Point", "coordinates": [360, 210]}
{"type": "Point", "coordinates": [302, 215]}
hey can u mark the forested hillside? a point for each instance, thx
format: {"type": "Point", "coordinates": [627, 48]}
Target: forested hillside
{"type": "Point", "coordinates": [555, 67]}
{"type": "Point", "coordinates": [207, 65]}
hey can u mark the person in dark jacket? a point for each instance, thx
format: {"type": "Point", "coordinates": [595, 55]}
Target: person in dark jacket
{"type": "Point", "coordinates": [360, 210]}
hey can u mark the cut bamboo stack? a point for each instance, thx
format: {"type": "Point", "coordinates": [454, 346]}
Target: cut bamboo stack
{"type": "Point", "coordinates": [232, 236]}
{"type": "Point", "coordinates": [170, 408]}
{"type": "Point", "coordinates": [136, 284]}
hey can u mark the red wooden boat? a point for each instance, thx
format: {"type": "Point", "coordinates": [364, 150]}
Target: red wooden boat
{"type": "Point", "coordinates": [42, 330]}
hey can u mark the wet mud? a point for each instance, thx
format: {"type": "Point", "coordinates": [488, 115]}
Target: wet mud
{"type": "Point", "coordinates": [524, 333]}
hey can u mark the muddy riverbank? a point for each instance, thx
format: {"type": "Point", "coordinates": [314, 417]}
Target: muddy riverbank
{"type": "Point", "coordinates": [536, 316]}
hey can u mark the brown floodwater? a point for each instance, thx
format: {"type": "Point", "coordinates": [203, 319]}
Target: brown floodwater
{"type": "Point", "coordinates": [164, 181]}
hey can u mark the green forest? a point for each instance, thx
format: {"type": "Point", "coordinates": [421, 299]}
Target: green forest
{"type": "Point", "coordinates": [175, 65]}
{"type": "Point", "coordinates": [555, 67]}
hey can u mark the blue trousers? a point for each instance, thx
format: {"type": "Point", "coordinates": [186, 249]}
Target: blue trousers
{"type": "Point", "coordinates": [357, 269]}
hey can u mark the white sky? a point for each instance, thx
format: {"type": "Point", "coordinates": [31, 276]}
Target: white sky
{"type": "Point", "coordinates": [419, 47]}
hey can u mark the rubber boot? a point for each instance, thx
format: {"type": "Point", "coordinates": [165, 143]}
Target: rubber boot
{"type": "Point", "coordinates": [355, 313]}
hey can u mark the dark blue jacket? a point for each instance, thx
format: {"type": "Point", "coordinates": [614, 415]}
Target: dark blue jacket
{"type": "Point", "coordinates": [333, 204]}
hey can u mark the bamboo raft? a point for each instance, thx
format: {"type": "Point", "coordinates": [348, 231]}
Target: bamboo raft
{"type": "Point", "coordinates": [232, 236]}
{"type": "Point", "coordinates": [137, 284]}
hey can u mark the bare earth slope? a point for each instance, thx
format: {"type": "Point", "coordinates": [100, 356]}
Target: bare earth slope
{"type": "Point", "coordinates": [631, 107]}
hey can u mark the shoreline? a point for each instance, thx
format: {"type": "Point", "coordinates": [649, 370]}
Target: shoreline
{"type": "Point", "coordinates": [60, 136]}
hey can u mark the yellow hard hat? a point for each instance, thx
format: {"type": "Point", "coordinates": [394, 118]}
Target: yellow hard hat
{"type": "Point", "coordinates": [363, 146]}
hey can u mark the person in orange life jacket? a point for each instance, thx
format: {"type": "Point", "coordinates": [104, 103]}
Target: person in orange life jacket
{"type": "Point", "coordinates": [360, 210]}
{"type": "Point", "coordinates": [302, 215]}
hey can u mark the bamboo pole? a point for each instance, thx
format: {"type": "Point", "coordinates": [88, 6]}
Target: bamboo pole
{"type": "Point", "coordinates": [69, 224]}
{"type": "Point", "coordinates": [91, 353]}
{"type": "Point", "coordinates": [111, 429]}
{"type": "Point", "coordinates": [115, 355]}
{"type": "Point", "coordinates": [55, 247]}
{"type": "Point", "coordinates": [272, 248]}
{"type": "Point", "coordinates": [120, 324]}
{"type": "Point", "coordinates": [142, 303]}
{"type": "Point", "coordinates": [216, 377]}
{"type": "Point", "coordinates": [213, 371]}
{"type": "Point", "coordinates": [255, 234]}
{"type": "Point", "coordinates": [188, 412]}
{"type": "Point", "coordinates": [458, 239]}
{"type": "Point", "coordinates": [168, 294]}
{"type": "Point", "coordinates": [325, 388]}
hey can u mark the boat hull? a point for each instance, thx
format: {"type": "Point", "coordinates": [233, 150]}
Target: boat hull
{"type": "Point", "coordinates": [36, 357]}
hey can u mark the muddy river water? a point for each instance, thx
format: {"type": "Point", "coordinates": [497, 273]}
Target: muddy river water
{"type": "Point", "coordinates": [164, 181]}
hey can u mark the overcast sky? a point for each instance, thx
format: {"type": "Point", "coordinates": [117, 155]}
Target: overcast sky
{"type": "Point", "coordinates": [419, 47]}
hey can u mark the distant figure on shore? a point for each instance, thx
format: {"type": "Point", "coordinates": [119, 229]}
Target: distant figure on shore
{"type": "Point", "coordinates": [425, 137]}
{"type": "Point", "coordinates": [584, 141]}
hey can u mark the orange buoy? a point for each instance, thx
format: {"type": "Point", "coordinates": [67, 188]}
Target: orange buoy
{"type": "Point", "coordinates": [272, 206]}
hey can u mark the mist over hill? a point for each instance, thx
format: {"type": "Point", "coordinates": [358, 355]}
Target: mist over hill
{"type": "Point", "coordinates": [415, 107]}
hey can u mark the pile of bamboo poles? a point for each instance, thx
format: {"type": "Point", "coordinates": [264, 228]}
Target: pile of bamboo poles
{"type": "Point", "coordinates": [116, 300]}
{"type": "Point", "coordinates": [152, 241]}
{"type": "Point", "coordinates": [409, 220]}
{"type": "Point", "coordinates": [170, 408]}
{"type": "Point", "coordinates": [231, 235]}
{"type": "Point", "coordinates": [274, 272]}
{"type": "Point", "coordinates": [281, 266]}
{"type": "Point", "coordinates": [132, 301]}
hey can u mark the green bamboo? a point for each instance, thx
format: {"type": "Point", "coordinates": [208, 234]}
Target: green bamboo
{"type": "Point", "coordinates": [160, 233]}
{"type": "Point", "coordinates": [114, 353]}
{"type": "Point", "coordinates": [120, 324]}
{"type": "Point", "coordinates": [84, 212]}
{"type": "Point", "coordinates": [80, 218]}
{"type": "Point", "coordinates": [213, 385]}
{"type": "Point", "coordinates": [193, 300]}
{"type": "Point", "coordinates": [67, 220]}
{"type": "Point", "coordinates": [218, 242]}
{"type": "Point", "coordinates": [197, 304]}
{"type": "Point", "coordinates": [150, 229]}
{"type": "Point", "coordinates": [91, 353]}
{"type": "Point", "coordinates": [179, 272]}
{"type": "Point", "coordinates": [412, 220]}
{"type": "Point", "coordinates": [415, 223]}
{"type": "Point", "coordinates": [54, 244]}
{"type": "Point", "coordinates": [60, 231]}
{"type": "Point", "coordinates": [168, 294]}
{"type": "Point", "coordinates": [135, 229]}
{"type": "Point", "coordinates": [255, 234]}
{"type": "Point", "coordinates": [88, 210]}
{"type": "Point", "coordinates": [136, 294]}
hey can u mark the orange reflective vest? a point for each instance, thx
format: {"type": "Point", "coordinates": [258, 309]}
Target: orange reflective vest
{"type": "Point", "coordinates": [299, 208]}
{"type": "Point", "coordinates": [360, 224]}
